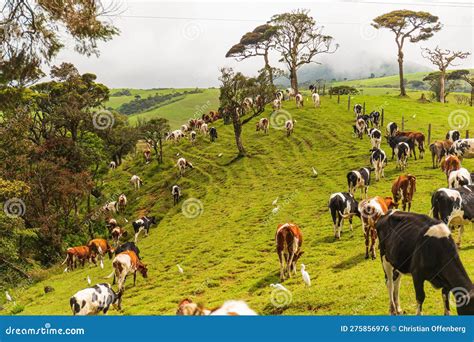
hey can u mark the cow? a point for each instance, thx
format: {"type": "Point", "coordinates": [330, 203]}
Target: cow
{"type": "Point", "coordinates": [454, 207]}
{"type": "Point", "coordinates": [375, 137]}
{"type": "Point", "coordinates": [94, 300]}
{"type": "Point", "coordinates": [289, 126]}
{"type": "Point", "coordinates": [299, 100]}
{"type": "Point", "coordinates": [263, 125]}
{"type": "Point", "coordinates": [187, 307]}
{"type": "Point", "coordinates": [128, 246]}
{"type": "Point", "coordinates": [374, 119]}
{"type": "Point", "coordinates": [402, 151]}
{"type": "Point", "coordinates": [378, 160]}
{"type": "Point", "coordinates": [342, 205]}
{"type": "Point", "coordinates": [204, 129]}
{"type": "Point", "coordinates": [403, 188]}
{"type": "Point", "coordinates": [78, 253]}
{"type": "Point", "coordinates": [247, 103]}
{"type": "Point", "coordinates": [111, 224]}
{"type": "Point", "coordinates": [359, 179]}
{"type": "Point", "coordinates": [450, 163]}
{"type": "Point", "coordinates": [175, 135]}
{"type": "Point", "coordinates": [458, 178]}
{"type": "Point", "coordinates": [391, 129]}
{"type": "Point", "coordinates": [290, 92]}
{"type": "Point", "coordinates": [423, 247]}
{"type": "Point", "coordinates": [116, 234]}
{"type": "Point", "coordinates": [213, 133]}
{"type": "Point", "coordinates": [99, 247]}
{"type": "Point", "coordinates": [147, 155]}
{"type": "Point", "coordinates": [439, 149]}
{"type": "Point", "coordinates": [143, 224]}
{"type": "Point", "coordinates": [176, 192]}
{"type": "Point", "coordinates": [192, 136]}
{"type": "Point", "coordinates": [316, 100]}
{"type": "Point", "coordinates": [182, 164]}
{"type": "Point", "coordinates": [370, 212]}
{"type": "Point", "coordinates": [110, 207]}
{"type": "Point", "coordinates": [259, 102]}
{"type": "Point", "coordinates": [357, 109]}
{"type": "Point", "coordinates": [125, 263]}
{"type": "Point", "coordinates": [112, 165]}
{"type": "Point", "coordinates": [418, 139]}
{"type": "Point", "coordinates": [393, 142]}
{"type": "Point", "coordinates": [463, 148]}
{"type": "Point", "coordinates": [276, 104]}
{"type": "Point", "coordinates": [453, 135]}
{"type": "Point", "coordinates": [360, 127]}
{"type": "Point", "coordinates": [288, 240]}
{"type": "Point", "coordinates": [122, 202]}
{"type": "Point", "coordinates": [136, 182]}
{"type": "Point", "coordinates": [279, 95]}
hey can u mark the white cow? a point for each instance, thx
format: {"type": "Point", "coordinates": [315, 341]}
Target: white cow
{"type": "Point", "coordinates": [299, 100]}
{"type": "Point", "coordinates": [182, 164]}
{"type": "Point", "coordinates": [458, 178]}
{"type": "Point", "coordinates": [204, 129]}
{"type": "Point", "coordinates": [316, 100]}
{"type": "Point", "coordinates": [136, 182]}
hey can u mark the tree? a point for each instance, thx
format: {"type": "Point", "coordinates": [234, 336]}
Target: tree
{"type": "Point", "coordinates": [435, 85]}
{"type": "Point", "coordinates": [256, 43]}
{"type": "Point", "coordinates": [154, 132]}
{"type": "Point", "coordinates": [466, 76]}
{"type": "Point", "coordinates": [442, 59]}
{"type": "Point", "coordinates": [299, 40]}
{"type": "Point", "coordinates": [411, 25]}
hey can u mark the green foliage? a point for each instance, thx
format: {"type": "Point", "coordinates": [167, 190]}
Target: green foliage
{"type": "Point", "coordinates": [123, 92]}
{"type": "Point", "coordinates": [343, 90]}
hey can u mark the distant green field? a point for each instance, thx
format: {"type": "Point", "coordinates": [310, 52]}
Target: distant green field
{"type": "Point", "coordinates": [228, 251]}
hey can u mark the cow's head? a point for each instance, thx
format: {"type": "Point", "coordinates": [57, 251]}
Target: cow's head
{"type": "Point", "coordinates": [257, 126]}
{"type": "Point", "coordinates": [142, 268]}
{"type": "Point", "coordinates": [152, 219]}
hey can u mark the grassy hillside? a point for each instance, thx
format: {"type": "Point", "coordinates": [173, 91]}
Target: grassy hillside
{"type": "Point", "coordinates": [228, 251]}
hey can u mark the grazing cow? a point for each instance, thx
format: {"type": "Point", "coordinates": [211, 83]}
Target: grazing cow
{"type": "Point", "coordinates": [359, 179]}
{"type": "Point", "coordinates": [147, 155]}
{"type": "Point", "coordinates": [418, 139]}
{"type": "Point", "coordinates": [230, 308]}
{"type": "Point", "coordinates": [290, 92]}
{"type": "Point", "coordinates": [116, 234]}
{"type": "Point", "coordinates": [299, 100]}
{"type": "Point", "coordinates": [378, 160]}
{"type": "Point", "coordinates": [288, 240]}
{"type": "Point", "coordinates": [93, 300]}
{"type": "Point", "coordinates": [357, 109]}
{"type": "Point", "coordinates": [279, 95]}
{"type": "Point", "coordinates": [128, 246]}
{"type": "Point", "coordinates": [375, 137]}
{"type": "Point", "coordinates": [276, 104]}
{"type": "Point", "coordinates": [402, 151]}
{"type": "Point", "coordinates": [175, 135]}
{"type": "Point", "coordinates": [455, 207]}
{"type": "Point", "coordinates": [289, 126]}
{"type": "Point", "coordinates": [450, 163]}
{"type": "Point", "coordinates": [176, 192]}
{"type": "Point", "coordinates": [182, 164]}
{"type": "Point", "coordinates": [453, 135]}
{"type": "Point", "coordinates": [370, 212]}
{"type": "Point", "coordinates": [99, 247]}
{"type": "Point", "coordinates": [136, 182]}
{"type": "Point", "coordinates": [458, 178]}
{"type": "Point", "coordinates": [204, 129]}
{"type": "Point", "coordinates": [342, 205]}
{"type": "Point", "coordinates": [263, 125]}
{"type": "Point", "coordinates": [192, 136]}
{"type": "Point", "coordinates": [213, 134]}
{"type": "Point", "coordinates": [75, 254]}
{"type": "Point", "coordinates": [247, 103]}
{"type": "Point", "coordinates": [111, 224]}
{"type": "Point", "coordinates": [394, 141]}
{"type": "Point", "coordinates": [122, 202]}
{"type": "Point", "coordinates": [185, 128]}
{"type": "Point", "coordinates": [438, 150]}
{"type": "Point", "coordinates": [125, 263]}
{"type": "Point", "coordinates": [259, 101]}
{"type": "Point", "coordinates": [360, 127]}
{"type": "Point", "coordinates": [316, 100]}
{"type": "Point", "coordinates": [391, 129]}
{"type": "Point", "coordinates": [113, 165]}
{"type": "Point", "coordinates": [143, 223]}
{"type": "Point", "coordinates": [423, 247]}
{"type": "Point", "coordinates": [375, 119]}
{"type": "Point", "coordinates": [111, 207]}
{"type": "Point", "coordinates": [199, 123]}
{"type": "Point", "coordinates": [403, 188]}
{"type": "Point", "coordinates": [463, 148]}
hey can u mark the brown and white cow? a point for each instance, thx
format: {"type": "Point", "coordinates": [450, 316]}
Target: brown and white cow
{"type": "Point", "coordinates": [122, 202]}
{"type": "Point", "coordinates": [299, 100]}
{"type": "Point", "coordinates": [438, 150]}
{"type": "Point", "coordinates": [289, 126]}
{"type": "Point", "coordinates": [263, 124]}
{"type": "Point", "coordinates": [182, 164]}
{"type": "Point", "coordinates": [288, 240]}
{"type": "Point", "coordinates": [147, 155]}
{"type": "Point", "coordinates": [117, 233]}
{"type": "Point", "coordinates": [125, 263]}
{"type": "Point", "coordinates": [403, 188]}
{"type": "Point", "coordinates": [100, 247]}
{"type": "Point", "coordinates": [74, 254]}
{"type": "Point", "coordinates": [371, 210]}
{"type": "Point", "coordinates": [418, 139]}
{"type": "Point", "coordinates": [230, 308]}
{"type": "Point", "coordinates": [450, 163]}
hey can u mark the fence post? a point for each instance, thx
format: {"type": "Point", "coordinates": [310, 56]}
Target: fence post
{"type": "Point", "coordinates": [383, 112]}
{"type": "Point", "coordinates": [403, 123]}
{"type": "Point", "coordinates": [338, 98]}
{"type": "Point", "coordinates": [429, 134]}
{"type": "Point", "coordinates": [363, 109]}
{"type": "Point", "coordinates": [349, 102]}
{"type": "Point", "coordinates": [467, 134]}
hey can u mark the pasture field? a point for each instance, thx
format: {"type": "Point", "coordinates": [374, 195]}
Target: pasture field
{"type": "Point", "coordinates": [228, 251]}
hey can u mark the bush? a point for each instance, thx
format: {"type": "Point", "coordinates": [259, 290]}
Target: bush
{"type": "Point", "coordinates": [343, 90]}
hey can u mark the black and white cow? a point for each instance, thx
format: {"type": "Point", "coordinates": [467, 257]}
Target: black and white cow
{"type": "Point", "coordinates": [458, 178]}
{"type": "Point", "coordinates": [128, 246]}
{"type": "Point", "coordinates": [375, 118]}
{"type": "Point", "coordinates": [378, 160]}
{"type": "Point", "coordinates": [213, 133]}
{"type": "Point", "coordinates": [455, 207]}
{"type": "Point", "coordinates": [93, 300]}
{"type": "Point", "coordinates": [392, 129]}
{"type": "Point", "coordinates": [359, 179]}
{"type": "Point", "coordinates": [394, 141]}
{"type": "Point", "coordinates": [360, 127]}
{"type": "Point", "coordinates": [176, 192]}
{"type": "Point", "coordinates": [453, 135]}
{"type": "Point", "coordinates": [357, 109]}
{"type": "Point", "coordinates": [423, 247]}
{"type": "Point", "coordinates": [463, 148]}
{"type": "Point", "coordinates": [141, 224]}
{"type": "Point", "coordinates": [375, 137]}
{"type": "Point", "coordinates": [342, 205]}
{"type": "Point", "coordinates": [402, 151]}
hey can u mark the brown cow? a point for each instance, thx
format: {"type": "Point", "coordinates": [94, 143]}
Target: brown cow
{"type": "Point", "coordinates": [418, 139]}
{"type": "Point", "coordinates": [288, 239]}
{"type": "Point", "coordinates": [74, 254]}
{"type": "Point", "coordinates": [125, 263]}
{"type": "Point", "coordinates": [403, 189]}
{"type": "Point", "coordinates": [371, 210]}
{"type": "Point", "coordinates": [450, 163]}
{"type": "Point", "coordinates": [99, 247]}
{"type": "Point", "coordinates": [439, 149]}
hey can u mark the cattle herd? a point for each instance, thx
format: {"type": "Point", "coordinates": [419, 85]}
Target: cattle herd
{"type": "Point", "coordinates": [409, 243]}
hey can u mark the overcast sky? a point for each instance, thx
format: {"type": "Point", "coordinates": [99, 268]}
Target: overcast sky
{"type": "Point", "coordinates": [183, 44]}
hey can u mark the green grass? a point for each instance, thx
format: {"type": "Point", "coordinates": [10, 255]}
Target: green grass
{"type": "Point", "coordinates": [228, 252]}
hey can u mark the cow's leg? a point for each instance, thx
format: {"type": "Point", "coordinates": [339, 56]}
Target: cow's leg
{"type": "Point", "coordinates": [366, 235]}
{"type": "Point", "coordinates": [409, 206]}
{"type": "Point", "coordinates": [445, 294]}
{"type": "Point", "coordinates": [373, 237]}
{"type": "Point", "coordinates": [461, 230]}
{"type": "Point", "coordinates": [337, 227]}
{"type": "Point", "coordinates": [420, 293]}
{"type": "Point", "coordinates": [134, 278]}
{"type": "Point", "coordinates": [397, 277]}
{"type": "Point", "coordinates": [388, 269]}
{"type": "Point", "coordinates": [290, 263]}
{"type": "Point", "coordinates": [282, 265]}
{"type": "Point", "coordinates": [350, 223]}
{"type": "Point", "coordinates": [393, 153]}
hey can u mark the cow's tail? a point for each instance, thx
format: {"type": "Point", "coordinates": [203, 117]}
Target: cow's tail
{"type": "Point", "coordinates": [67, 257]}
{"type": "Point", "coordinates": [110, 275]}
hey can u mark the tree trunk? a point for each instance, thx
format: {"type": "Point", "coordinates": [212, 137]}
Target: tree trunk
{"type": "Point", "coordinates": [161, 150]}
{"type": "Point", "coordinates": [268, 67]}
{"type": "Point", "coordinates": [238, 132]}
{"type": "Point", "coordinates": [442, 87]}
{"type": "Point", "coordinates": [472, 94]}
{"type": "Point", "coordinates": [294, 79]}
{"type": "Point", "coordinates": [400, 72]}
